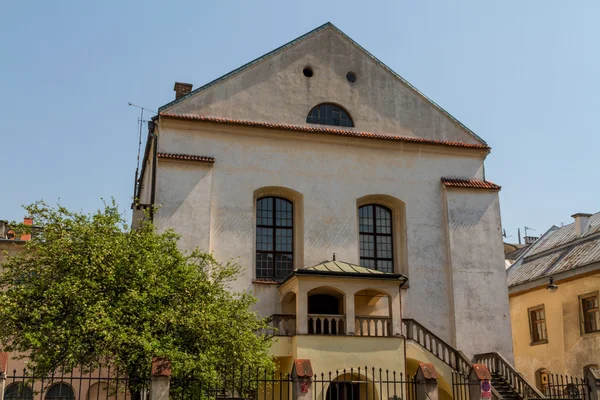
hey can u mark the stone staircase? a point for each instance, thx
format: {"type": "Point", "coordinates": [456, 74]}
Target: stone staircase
{"type": "Point", "coordinates": [507, 383]}
{"type": "Point", "coordinates": [504, 390]}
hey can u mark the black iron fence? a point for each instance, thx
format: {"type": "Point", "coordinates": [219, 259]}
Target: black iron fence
{"type": "Point", "coordinates": [242, 384]}
{"type": "Point", "coordinates": [84, 383]}
{"type": "Point", "coordinates": [558, 387]}
{"type": "Point", "coordinates": [364, 384]}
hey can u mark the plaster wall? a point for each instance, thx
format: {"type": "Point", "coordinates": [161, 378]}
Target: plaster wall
{"type": "Point", "coordinates": [331, 173]}
{"type": "Point", "coordinates": [276, 90]}
{"type": "Point", "coordinates": [568, 351]}
{"type": "Point", "coordinates": [478, 280]}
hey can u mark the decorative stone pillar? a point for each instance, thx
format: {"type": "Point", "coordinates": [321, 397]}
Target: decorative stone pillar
{"type": "Point", "coordinates": [396, 314]}
{"type": "Point", "coordinates": [479, 379]}
{"type": "Point", "coordinates": [160, 382]}
{"type": "Point", "coordinates": [301, 312]}
{"type": "Point", "coordinates": [592, 376]}
{"type": "Point", "coordinates": [302, 375]}
{"type": "Point", "coordinates": [3, 372]}
{"type": "Point", "coordinates": [427, 382]}
{"type": "Point", "coordinates": [350, 315]}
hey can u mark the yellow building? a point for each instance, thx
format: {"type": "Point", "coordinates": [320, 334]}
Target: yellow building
{"type": "Point", "coordinates": [554, 297]}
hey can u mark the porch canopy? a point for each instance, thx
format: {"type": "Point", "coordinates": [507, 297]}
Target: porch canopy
{"type": "Point", "coordinates": [346, 293]}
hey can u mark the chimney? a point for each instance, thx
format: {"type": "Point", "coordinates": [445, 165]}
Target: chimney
{"type": "Point", "coordinates": [530, 239]}
{"type": "Point", "coordinates": [27, 221]}
{"type": "Point", "coordinates": [181, 89]}
{"type": "Point", "coordinates": [582, 222]}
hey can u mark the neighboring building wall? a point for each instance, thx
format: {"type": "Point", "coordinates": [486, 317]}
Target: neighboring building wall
{"type": "Point", "coordinates": [331, 174]}
{"type": "Point", "coordinates": [477, 269]}
{"type": "Point", "coordinates": [567, 350]}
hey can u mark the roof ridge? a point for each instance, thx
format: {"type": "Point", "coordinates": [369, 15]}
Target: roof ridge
{"type": "Point", "coordinates": [330, 131]}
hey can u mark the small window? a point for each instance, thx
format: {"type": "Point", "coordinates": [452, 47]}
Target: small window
{"type": "Point", "coordinates": [351, 76]}
{"type": "Point", "coordinates": [375, 230]}
{"type": "Point", "coordinates": [329, 114]}
{"type": "Point", "coordinates": [60, 391]}
{"type": "Point", "coordinates": [18, 391]}
{"type": "Point", "coordinates": [274, 238]}
{"type": "Point", "coordinates": [590, 312]}
{"type": "Point", "coordinates": [537, 325]}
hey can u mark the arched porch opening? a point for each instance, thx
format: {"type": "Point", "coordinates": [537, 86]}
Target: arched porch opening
{"type": "Point", "coordinates": [326, 311]}
{"type": "Point", "coordinates": [353, 386]}
{"type": "Point", "coordinates": [286, 321]}
{"type": "Point", "coordinates": [373, 314]}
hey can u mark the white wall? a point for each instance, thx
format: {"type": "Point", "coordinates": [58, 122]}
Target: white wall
{"type": "Point", "coordinates": [331, 173]}
{"type": "Point", "coordinates": [482, 318]}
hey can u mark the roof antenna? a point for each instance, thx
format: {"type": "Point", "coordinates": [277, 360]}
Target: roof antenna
{"type": "Point", "coordinates": [141, 123]}
{"type": "Point", "coordinates": [333, 256]}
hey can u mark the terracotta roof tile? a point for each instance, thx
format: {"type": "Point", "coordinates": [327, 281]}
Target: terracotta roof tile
{"type": "Point", "coordinates": [470, 183]}
{"type": "Point", "coordinates": [326, 131]}
{"type": "Point", "coordinates": [186, 157]}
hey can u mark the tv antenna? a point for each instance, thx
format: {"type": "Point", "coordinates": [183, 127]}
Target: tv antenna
{"type": "Point", "coordinates": [504, 234]}
{"type": "Point", "coordinates": [141, 121]}
{"type": "Point", "coordinates": [528, 229]}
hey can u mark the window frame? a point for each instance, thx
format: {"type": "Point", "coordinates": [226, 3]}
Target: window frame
{"type": "Point", "coordinates": [321, 121]}
{"type": "Point", "coordinates": [374, 234]}
{"type": "Point", "coordinates": [583, 312]}
{"type": "Point", "coordinates": [274, 227]}
{"type": "Point", "coordinates": [533, 323]}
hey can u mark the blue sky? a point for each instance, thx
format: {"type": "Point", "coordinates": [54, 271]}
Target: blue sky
{"type": "Point", "coordinates": [521, 74]}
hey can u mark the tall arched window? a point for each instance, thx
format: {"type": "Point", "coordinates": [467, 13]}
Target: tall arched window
{"type": "Point", "coordinates": [274, 237]}
{"type": "Point", "coordinates": [329, 114]}
{"type": "Point", "coordinates": [376, 241]}
{"type": "Point", "coordinates": [60, 391]}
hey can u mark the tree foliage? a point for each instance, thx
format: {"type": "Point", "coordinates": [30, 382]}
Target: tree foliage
{"type": "Point", "coordinates": [86, 289]}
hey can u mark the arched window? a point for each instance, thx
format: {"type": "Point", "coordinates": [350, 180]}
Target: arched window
{"type": "Point", "coordinates": [18, 391]}
{"type": "Point", "coordinates": [60, 391]}
{"type": "Point", "coordinates": [376, 241]}
{"type": "Point", "coordinates": [329, 114]}
{"type": "Point", "coordinates": [274, 237]}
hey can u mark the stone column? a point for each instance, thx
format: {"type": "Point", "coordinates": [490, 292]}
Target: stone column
{"type": "Point", "coordinates": [592, 376]}
{"type": "Point", "coordinates": [160, 382]}
{"type": "Point", "coordinates": [350, 316]}
{"type": "Point", "coordinates": [479, 374]}
{"type": "Point", "coordinates": [301, 312]}
{"type": "Point", "coordinates": [302, 375]}
{"type": "Point", "coordinates": [427, 382]}
{"type": "Point", "coordinates": [396, 314]}
{"type": "Point", "coordinates": [3, 367]}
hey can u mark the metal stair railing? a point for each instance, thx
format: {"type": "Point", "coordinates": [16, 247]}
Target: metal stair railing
{"type": "Point", "coordinates": [500, 366]}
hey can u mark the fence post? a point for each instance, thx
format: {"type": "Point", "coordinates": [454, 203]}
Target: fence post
{"type": "Point", "coordinates": [427, 382]}
{"type": "Point", "coordinates": [3, 367]}
{"type": "Point", "coordinates": [302, 375]}
{"type": "Point", "coordinates": [592, 376]}
{"type": "Point", "coordinates": [479, 378]}
{"type": "Point", "coordinates": [160, 381]}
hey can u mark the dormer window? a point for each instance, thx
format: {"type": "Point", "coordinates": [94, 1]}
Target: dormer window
{"type": "Point", "coordinates": [329, 114]}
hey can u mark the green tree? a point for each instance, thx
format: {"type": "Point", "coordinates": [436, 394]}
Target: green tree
{"type": "Point", "coordinates": [86, 289]}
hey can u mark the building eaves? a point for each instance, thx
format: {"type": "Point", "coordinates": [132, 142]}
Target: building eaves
{"type": "Point", "coordinates": [326, 131]}
{"type": "Point", "coordinates": [303, 37]}
{"type": "Point", "coordinates": [469, 184]}
{"type": "Point", "coordinates": [186, 157]}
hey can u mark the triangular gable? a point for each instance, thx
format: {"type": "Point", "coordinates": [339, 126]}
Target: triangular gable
{"type": "Point", "coordinates": [273, 89]}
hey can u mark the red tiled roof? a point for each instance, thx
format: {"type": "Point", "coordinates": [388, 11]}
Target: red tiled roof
{"type": "Point", "coordinates": [186, 157]}
{"type": "Point", "coordinates": [469, 183]}
{"type": "Point", "coordinates": [326, 131]}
